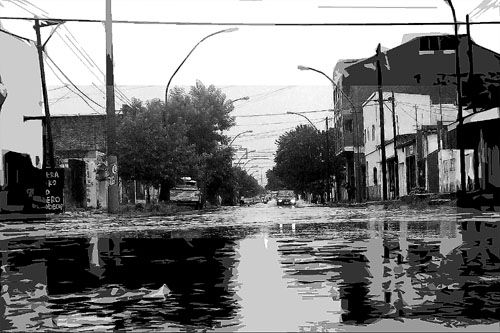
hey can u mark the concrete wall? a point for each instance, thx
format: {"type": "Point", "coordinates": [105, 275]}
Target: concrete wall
{"type": "Point", "coordinates": [20, 76]}
{"type": "Point", "coordinates": [449, 169]}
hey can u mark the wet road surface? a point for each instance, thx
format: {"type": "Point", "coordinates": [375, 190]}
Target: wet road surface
{"type": "Point", "coordinates": [258, 268]}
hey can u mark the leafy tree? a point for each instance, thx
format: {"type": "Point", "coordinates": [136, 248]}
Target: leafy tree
{"type": "Point", "coordinates": [300, 161]}
{"type": "Point", "coordinates": [206, 113]}
{"type": "Point", "coordinates": [274, 183]}
{"type": "Point", "coordinates": [150, 152]}
{"type": "Point", "coordinates": [247, 186]}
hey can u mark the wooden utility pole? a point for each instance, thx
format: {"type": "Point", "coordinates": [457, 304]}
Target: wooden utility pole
{"type": "Point", "coordinates": [110, 112]}
{"type": "Point", "coordinates": [46, 125]}
{"type": "Point", "coordinates": [417, 183]}
{"type": "Point", "coordinates": [327, 160]}
{"type": "Point", "coordinates": [396, 162]}
{"type": "Point", "coordinates": [382, 125]}
{"type": "Point", "coordinates": [473, 100]}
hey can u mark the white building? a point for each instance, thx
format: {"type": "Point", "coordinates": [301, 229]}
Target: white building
{"type": "Point", "coordinates": [20, 76]}
{"type": "Point", "coordinates": [411, 111]}
{"type": "Point", "coordinates": [20, 142]}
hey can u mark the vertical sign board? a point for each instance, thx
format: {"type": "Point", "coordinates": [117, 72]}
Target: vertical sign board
{"type": "Point", "coordinates": [54, 186]}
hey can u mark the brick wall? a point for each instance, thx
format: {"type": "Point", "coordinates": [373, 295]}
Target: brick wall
{"type": "Point", "coordinates": [75, 136]}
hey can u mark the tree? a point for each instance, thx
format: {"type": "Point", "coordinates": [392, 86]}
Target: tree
{"type": "Point", "coordinates": [206, 113]}
{"type": "Point", "coordinates": [150, 152]}
{"type": "Point", "coordinates": [301, 163]}
{"type": "Point", "coordinates": [274, 183]}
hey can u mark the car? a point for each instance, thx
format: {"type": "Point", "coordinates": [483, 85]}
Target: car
{"type": "Point", "coordinates": [285, 198]}
{"type": "Point", "coordinates": [186, 193]}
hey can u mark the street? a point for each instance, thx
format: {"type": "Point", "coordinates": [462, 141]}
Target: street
{"type": "Point", "coordinates": [254, 268]}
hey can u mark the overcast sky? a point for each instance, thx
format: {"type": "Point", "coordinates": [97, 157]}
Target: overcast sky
{"type": "Point", "coordinates": [264, 57]}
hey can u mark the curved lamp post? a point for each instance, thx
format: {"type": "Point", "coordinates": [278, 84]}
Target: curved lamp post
{"type": "Point", "coordinates": [355, 127]}
{"type": "Point", "coordinates": [459, 99]}
{"type": "Point", "coordinates": [245, 98]}
{"type": "Point", "coordinates": [237, 135]}
{"type": "Point", "coordinates": [183, 61]}
{"type": "Point", "coordinates": [299, 114]}
{"type": "Point", "coordinates": [246, 154]}
{"type": "Point", "coordinates": [255, 158]}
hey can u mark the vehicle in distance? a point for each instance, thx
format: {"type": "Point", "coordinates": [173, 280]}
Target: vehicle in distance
{"type": "Point", "coordinates": [186, 193]}
{"type": "Point", "coordinates": [285, 198]}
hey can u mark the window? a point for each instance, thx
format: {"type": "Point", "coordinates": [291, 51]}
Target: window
{"type": "Point", "coordinates": [364, 135]}
{"type": "Point", "coordinates": [348, 125]}
{"type": "Point", "coordinates": [373, 132]}
{"type": "Point", "coordinates": [375, 180]}
{"type": "Point", "coordinates": [436, 43]}
{"type": "Point", "coordinates": [448, 43]}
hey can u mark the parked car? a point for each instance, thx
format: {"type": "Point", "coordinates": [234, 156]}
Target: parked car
{"type": "Point", "coordinates": [285, 198]}
{"type": "Point", "coordinates": [186, 193]}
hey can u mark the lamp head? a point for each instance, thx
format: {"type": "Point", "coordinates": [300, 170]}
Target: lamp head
{"type": "Point", "coordinates": [231, 30]}
{"type": "Point", "coordinates": [302, 68]}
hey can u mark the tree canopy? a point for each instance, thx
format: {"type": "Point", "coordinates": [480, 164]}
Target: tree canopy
{"type": "Point", "coordinates": [158, 144]}
{"type": "Point", "coordinates": [301, 162]}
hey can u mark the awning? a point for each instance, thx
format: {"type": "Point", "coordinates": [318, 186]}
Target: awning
{"type": "Point", "coordinates": [475, 118]}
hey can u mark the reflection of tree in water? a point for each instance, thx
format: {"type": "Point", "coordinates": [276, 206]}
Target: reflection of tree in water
{"type": "Point", "coordinates": [89, 276]}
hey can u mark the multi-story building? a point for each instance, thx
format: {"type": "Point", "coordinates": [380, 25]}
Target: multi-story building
{"type": "Point", "coordinates": [422, 65]}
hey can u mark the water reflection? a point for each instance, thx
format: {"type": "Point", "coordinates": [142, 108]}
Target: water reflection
{"type": "Point", "coordinates": [439, 272]}
{"type": "Point", "coordinates": [368, 273]}
{"type": "Point", "coordinates": [106, 281]}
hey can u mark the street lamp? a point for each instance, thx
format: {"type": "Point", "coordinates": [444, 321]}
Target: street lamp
{"type": "Point", "coordinates": [246, 154]}
{"type": "Point", "coordinates": [237, 135]}
{"type": "Point", "coordinates": [459, 99]}
{"type": "Point", "coordinates": [355, 127]}
{"type": "Point", "coordinates": [183, 61]}
{"type": "Point", "coordinates": [245, 98]}
{"type": "Point", "coordinates": [300, 114]}
{"type": "Point", "coordinates": [255, 158]}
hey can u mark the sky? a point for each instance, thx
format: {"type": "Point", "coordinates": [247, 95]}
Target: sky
{"type": "Point", "coordinates": [254, 60]}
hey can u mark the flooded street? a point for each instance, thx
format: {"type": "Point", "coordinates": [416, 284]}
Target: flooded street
{"type": "Point", "coordinates": [257, 268]}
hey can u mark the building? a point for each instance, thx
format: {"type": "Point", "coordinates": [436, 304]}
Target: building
{"type": "Point", "coordinates": [80, 147]}
{"type": "Point", "coordinates": [420, 158]}
{"type": "Point", "coordinates": [481, 131]}
{"type": "Point", "coordinates": [21, 143]}
{"type": "Point", "coordinates": [422, 65]}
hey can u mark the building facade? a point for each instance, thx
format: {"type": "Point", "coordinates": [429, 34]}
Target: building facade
{"type": "Point", "coordinates": [21, 143]}
{"type": "Point", "coordinates": [422, 65]}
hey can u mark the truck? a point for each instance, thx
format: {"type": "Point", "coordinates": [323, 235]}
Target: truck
{"type": "Point", "coordinates": [186, 193]}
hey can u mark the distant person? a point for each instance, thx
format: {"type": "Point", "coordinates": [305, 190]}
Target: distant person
{"type": "Point", "coordinates": [219, 200]}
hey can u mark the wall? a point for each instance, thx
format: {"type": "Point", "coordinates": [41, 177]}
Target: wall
{"type": "Point", "coordinates": [74, 136]}
{"type": "Point", "coordinates": [20, 75]}
{"type": "Point", "coordinates": [449, 169]}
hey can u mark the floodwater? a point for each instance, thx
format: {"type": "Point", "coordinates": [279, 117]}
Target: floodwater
{"type": "Point", "coordinates": [258, 268]}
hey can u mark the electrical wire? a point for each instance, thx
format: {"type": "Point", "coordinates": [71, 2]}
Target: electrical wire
{"type": "Point", "coordinates": [71, 82]}
{"type": "Point", "coordinates": [257, 24]}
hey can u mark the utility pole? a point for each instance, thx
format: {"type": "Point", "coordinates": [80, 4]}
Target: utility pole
{"type": "Point", "coordinates": [473, 100]}
{"type": "Point", "coordinates": [382, 134]}
{"type": "Point", "coordinates": [46, 124]}
{"type": "Point", "coordinates": [396, 162]}
{"type": "Point", "coordinates": [327, 160]}
{"type": "Point", "coordinates": [110, 112]}
{"type": "Point", "coordinates": [417, 182]}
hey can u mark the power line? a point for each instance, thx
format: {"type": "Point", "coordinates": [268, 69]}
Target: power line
{"type": "Point", "coordinates": [279, 114]}
{"type": "Point", "coordinates": [86, 57]}
{"type": "Point", "coordinates": [258, 24]}
{"type": "Point", "coordinates": [71, 82]}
